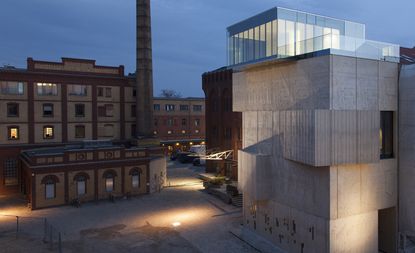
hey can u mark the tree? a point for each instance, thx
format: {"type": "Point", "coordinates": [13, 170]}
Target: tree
{"type": "Point", "coordinates": [170, 94]}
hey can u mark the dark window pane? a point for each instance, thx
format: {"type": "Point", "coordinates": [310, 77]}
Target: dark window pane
{"type": "Point", "coordinates": [386, 135]}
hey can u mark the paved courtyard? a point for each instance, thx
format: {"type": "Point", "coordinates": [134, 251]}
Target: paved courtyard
{"type": "Point", "coordinates": [144, 224]}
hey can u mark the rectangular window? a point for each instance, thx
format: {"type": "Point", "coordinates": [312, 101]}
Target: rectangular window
{"type": "Point", "coordinates": [133, 111]}
{"type": "Point", "coordinates": [47, 89]}
{"type": "Point", "coordinates": [77, 90]}
{"type": "Point", "coordinates": [13, 133]}
{"type": "Point", "coordinates": [184, 122]}
{"type": "Point", "coordinates": [109, 184]}
{"type": "Point", "coordinates": [197, 108]}
{"type": "Point", "coordinates": [386, 135]}
{"type": "Point", "coordinates": [136, 181]}
{"type": "Point", "coordinates": [106, 110]}
{"type": "Point", "coordinates": [12, 110]}
{"type": "Point", "coordinates": [169, 108]}
{"type": "Point", "coordinates": [108, 92]}
{"type": "Point", "coordinates": [134, 93]}
{"type": "Point", "coordinates": [12, 88]}
{"type": "Point", "coordinates": [47, 110]}
{"type": "Point", "coordinates": [100, 92]}
{"type": "Point", "coordinates": [197, 122]}
{"type": "Point", "coordinates": [81, 187]}
{"type": "Point", "coordinates": [50, 190]}
{"type": "Point", "coordinates": [170, 122]}
{"type": "Point", "coordinates": [48, 132]}
{"type": "Point", "coordinates": [184, 107]}
{"type": "Point", "coordinates": [79, 110]}
{"type": "Point", "coordinates": [10, 172]}
{"type": "Point", "coordinates": [156, 107]}
{"type": "Point", "coordinates": [80, 132]}
{"type": "Point", "coordinates": [133, 130]}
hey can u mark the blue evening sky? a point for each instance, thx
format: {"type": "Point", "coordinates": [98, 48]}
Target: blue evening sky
{"type": "Point", "coordinates": [189, 36]}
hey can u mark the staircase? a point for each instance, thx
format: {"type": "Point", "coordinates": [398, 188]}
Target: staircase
{"type": "Point", "coordinates": [237, 200]}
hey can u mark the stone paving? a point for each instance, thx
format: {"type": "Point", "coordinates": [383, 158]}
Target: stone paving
{"type": "Point", "coordinates": [143, 224]}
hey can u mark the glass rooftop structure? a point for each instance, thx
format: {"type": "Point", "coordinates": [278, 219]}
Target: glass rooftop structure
{"type": "Point", "coordinates": [282, 33]}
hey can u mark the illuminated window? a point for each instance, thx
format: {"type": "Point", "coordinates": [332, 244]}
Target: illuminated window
{"type": "Point", "coordinates": [77, 90]}
{"type": "Point", "coordinates": [197, 131]}
{"type": "Point", "coordinates": [183, 131]}
{"type": "Point", "coordinates": [12, 88]}
{"type": "Point", "coordinates": [48, 132]}
{"type": "Point", "coordinates": [12, 110]}
{"type": "Point", "coordinates": [13, 133]}
{"type": "Point", "coordinates": [109, 184]}
{"type": "Point", "coordinates": [169, 132]}
{"type": "Point", "coordinates": [47, 110]}
{"type": "Point", "coordinates": [47, 89]}
{"type": "Point", "coordinates": [155, 133]}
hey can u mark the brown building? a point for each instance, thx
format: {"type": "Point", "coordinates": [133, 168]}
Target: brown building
{"type": "Point", "coordinates": [53, 104]}
{"type": "Point", "coordinates": [179, 122]}
{"type": "Point", "coordinates": [223, 126]}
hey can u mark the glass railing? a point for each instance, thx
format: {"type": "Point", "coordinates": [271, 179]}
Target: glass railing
{"type": "Point", "coordinates": [338, 45]}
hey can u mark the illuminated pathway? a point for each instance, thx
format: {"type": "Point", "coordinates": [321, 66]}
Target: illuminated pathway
{"type": "Point", "coordinates": [182, 218]}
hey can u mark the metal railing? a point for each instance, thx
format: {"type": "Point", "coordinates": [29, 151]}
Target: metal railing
{"type": "Point", "coordinates": [33, 228]}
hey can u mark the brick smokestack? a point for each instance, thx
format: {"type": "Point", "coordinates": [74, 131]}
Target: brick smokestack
{"type": "Point", "coordinates": [144, 121]}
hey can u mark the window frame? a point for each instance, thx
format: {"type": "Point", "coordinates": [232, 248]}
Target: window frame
{"type": "Point", "coordinates": [5, 89]}
{"type": "Point", "coordinates": [52, 110]}
{"type": "Point", "coordinates": [77, 106]}
{"type": "Point", "coordinates": [17, 109]}
{"type": "Point", "coordinates": [8, 170]}
{"type": "Point", "coordinates": [83, 88]}
{"type": "Point", "coordinates": [42, 87]}
{"type": "Point", "coordinates": [44, 133]}
{"type": "Point", "coordinates": [9, 129]}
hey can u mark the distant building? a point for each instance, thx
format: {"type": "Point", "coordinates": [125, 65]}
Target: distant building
{"type": "Point", "coordinates": [223, 126]}
{"type": "Point", "coordinates": [179, 122]}
{"type": "Point", "coordinates": [56, 104]}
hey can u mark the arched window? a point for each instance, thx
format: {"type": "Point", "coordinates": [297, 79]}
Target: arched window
{"type": "Point", "coordinates": [50, 182]}
{"type": "Point", "coordinates": [135, 177]}
{"type": "Point", "coordinates": [81, 183]}
{"type": "Point", "coordinates": [109, 177]}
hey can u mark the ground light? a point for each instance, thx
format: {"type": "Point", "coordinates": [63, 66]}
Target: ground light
{"type": "Point", "coordinates": [176, 224]}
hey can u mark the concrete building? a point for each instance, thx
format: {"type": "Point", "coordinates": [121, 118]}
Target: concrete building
{"type": "Point", "coordinates": [407, 151]}
{"type": "Point", "coordinates": [179, 122]}
{"type": "Point", "coordinates": [223, 126]}
{"type": "Point", "coordinates": [319, 161]}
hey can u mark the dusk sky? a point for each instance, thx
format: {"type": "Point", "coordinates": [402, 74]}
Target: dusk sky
{"type": "Point", "coordinates": [189, 36]}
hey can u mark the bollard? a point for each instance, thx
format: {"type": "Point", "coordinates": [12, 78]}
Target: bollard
{"type": "Point", "coordinates": [17, 226]}
{"type": "Point", "coordinates": [60, 243]}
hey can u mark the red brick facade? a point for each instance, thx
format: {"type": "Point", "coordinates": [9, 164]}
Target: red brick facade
{"type": "Point", "coordinates": [223, 126]}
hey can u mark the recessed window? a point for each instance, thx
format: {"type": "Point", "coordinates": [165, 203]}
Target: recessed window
{"type": "Point", "coordinates": [156, 107]}
{"type": "Point", "coordinates": [77, 90]}
{"type": "Point", "coordinates": [184, 122]}
{"type": "Point", "coordinates": [106, 110]}
{"type": "Point", "coordinates": [79, 110]}
{"type": "Point", "coordinates": [197, 122]}
{"type": "Point", "coordinates": [184, 107]}
{"type": "Point", "coordinates": [12, 88]}
{"type": "Point", "coordinates": [12, 110]}
{"type": "Point", "coordinates": [109, 184]}
{"type": "Point", "coordinates": [100, 92]}
{"type": "Point", "coordinates": [386, 135]}
{"type": "Point", "coordinates": [134, 93]}
{"type": "Point", "coordinates": [47, 89]}
{"type": "Point", "coordinates": [10, 172]}
{"type": "Point", "coordinates": [13, 133]}
{"type": "Point", "coordinates": [170, 122]}
{"type": "Point", "coordinates": [108, 92]}
{"type": "Point", "coordinates": [197, 108]}
{"type": "Point", "coordinates": [48, 132]}
{"type": "Point", "coordinates": [47, 110]}
{"type": "Point", "coordinates": [81, 185]}
{"type": "Point", "coordinates": [133, 130]}
{"type": "Point", "coordinates": [135, 178]}
{"type": "Point", "coordinates": [169, 108]}
{"type": "Point", "coordinates": [133, 111]}
{"type": "Point", "coordinates": [79, 132]}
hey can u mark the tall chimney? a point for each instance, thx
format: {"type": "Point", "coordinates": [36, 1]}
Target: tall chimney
{"type": "Point", "coordinates": [144, 120]}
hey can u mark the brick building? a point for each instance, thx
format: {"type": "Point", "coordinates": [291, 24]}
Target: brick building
{"type": "Point", "coordinates": [179, 122]}
{"type": "Point", "coordinates": [223, 126]}
{"type": "Point", "coordinates": [55, 104]}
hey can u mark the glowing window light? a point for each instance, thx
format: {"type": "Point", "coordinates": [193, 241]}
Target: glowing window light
{"type": "Point", "coordinates": [176, 224]}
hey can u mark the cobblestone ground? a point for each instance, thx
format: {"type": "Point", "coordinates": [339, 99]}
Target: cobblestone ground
{"type": "Point", "coordinates": [143, 224]}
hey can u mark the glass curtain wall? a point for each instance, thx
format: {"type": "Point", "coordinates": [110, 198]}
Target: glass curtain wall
{"type": "Point", "coordinates": [290, 33]}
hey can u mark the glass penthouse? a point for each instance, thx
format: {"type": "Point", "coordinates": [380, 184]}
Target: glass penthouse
{"type": "Point", "coordinates": [281, 33]}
